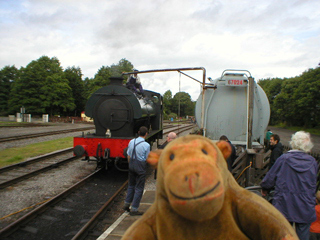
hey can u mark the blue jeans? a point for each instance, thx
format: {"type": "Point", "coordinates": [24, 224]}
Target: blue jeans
{"type": "Point", "coordinates": [302, 230]}
{"type": "Point", "coordinates": [135, 189]}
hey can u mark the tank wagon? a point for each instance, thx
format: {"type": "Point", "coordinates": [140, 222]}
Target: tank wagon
{"type": "Point", "coordinates": [236, 106]}
{"type": "Point", "coordinates": [226, 108]}
{"type": "Point", "coordinates": [118, 113]}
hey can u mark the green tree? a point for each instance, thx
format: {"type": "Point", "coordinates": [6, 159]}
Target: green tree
{"type": "Point", "coordinates": [27, 90]}
{"type": "Point", "coordinates": [8, 76]}
{"type": "Point", "coordinates": [284, 102]}
{"type": "Point", "coordinates": [167, 99]}
{"type": "Point", "coordinates": [122, 66]}
{"type": "Point", "coordinates": [101, 78]}
{"type": "Point", "coordinates": [74, 77]}
{"type": "Point", "coordinates": [56, 95]}
{"type": "Point", "coordinates": [307, 99]}
{"type": "Point", "coordinates": [87, 82]}
{"type": "Point", "coordinates": [294, 101]}
{"type": "Point", "coordinates": [182, 104]}
{"type": "Point", "coordinates": [272, 88]}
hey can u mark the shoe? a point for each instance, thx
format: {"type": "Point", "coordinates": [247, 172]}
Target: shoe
{"type": "Point", "coordinates": [126, 208]}
{"type": "Point", "coordinates": [135, 213]}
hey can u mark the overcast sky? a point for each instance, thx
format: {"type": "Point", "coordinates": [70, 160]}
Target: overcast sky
{"type": "Point", "coordinates": [270, 38]}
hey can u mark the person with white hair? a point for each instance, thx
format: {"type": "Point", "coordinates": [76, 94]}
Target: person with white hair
{"type": "Point", "coordinates": [294, 177]}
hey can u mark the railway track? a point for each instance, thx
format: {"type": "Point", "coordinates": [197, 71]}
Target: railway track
{"type": "Point", "coordinates": [35, 135]}
{"type": "Point", "coordinates": [177, 129]}
{"type": "Point", "coordinates": [42, 134]}
{"type": "Point", "coordinates": [72, 213]}
{"type": "Point", "coordinates": [30, 229]}
{"type": "Point", "coordinates": [18, 172]}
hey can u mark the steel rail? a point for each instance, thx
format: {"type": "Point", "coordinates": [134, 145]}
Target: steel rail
{"type": "Point", "coordinates": [35, 159]}
{"type": "Point", "coordinates": [5, 232]}
{"type": "Point", "coordinates": [83, 232]}
{"type": "Point", "coordinates": [34, 135]}
{"type": "Point", "coordinates": [36, 172]}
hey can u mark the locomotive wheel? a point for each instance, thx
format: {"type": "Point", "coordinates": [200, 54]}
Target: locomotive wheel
{"type": "Point", "coordinates": [121, 165]}
{"type": "Point", "coordinates": [101, 163]}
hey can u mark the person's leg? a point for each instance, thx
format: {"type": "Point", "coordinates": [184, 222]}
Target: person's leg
{"type": "Point", "coordinates": [141, 179]}
{"type": "Point", "coordinates": [313, 236]}
{"type": "Point", "coordinates": [303, 230]}
{"type": "Point", "coordinates": [130, 191]}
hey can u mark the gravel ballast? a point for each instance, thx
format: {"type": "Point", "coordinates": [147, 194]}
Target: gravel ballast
{"type": "Point", "coordinates": [46, 185]}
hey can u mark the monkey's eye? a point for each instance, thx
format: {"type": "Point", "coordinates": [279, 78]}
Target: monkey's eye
{"type": "Point", "coordinates": [204, 151]}
{"type": "Point", "coordinates": [171, 157]}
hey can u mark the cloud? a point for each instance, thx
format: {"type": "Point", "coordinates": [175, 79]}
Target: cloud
{"type": "Point", "coordinates": [268, 38]}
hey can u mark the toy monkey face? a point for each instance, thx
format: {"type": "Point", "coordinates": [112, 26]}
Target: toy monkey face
{"type": "Point", "coordinates": [193, 177]}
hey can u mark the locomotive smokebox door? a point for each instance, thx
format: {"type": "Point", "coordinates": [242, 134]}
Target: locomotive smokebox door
{"type": "Point", "coordinates": [112, 113]}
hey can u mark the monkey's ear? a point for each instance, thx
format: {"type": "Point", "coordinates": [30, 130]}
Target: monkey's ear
{"type": "Point", "coordinates": [225, 148]}
{"type": "Point", "coordinates": [153, 158]}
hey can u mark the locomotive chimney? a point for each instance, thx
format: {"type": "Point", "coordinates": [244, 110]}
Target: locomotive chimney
{"type": "Point", "coordinates": [116, 80]}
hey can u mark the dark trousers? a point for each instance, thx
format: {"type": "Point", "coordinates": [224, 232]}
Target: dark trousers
{"type": "Point", "coordinates": [314, 236]}
{"type": "Point", "coordinates": [302, 230]}
{"type": "Point", "coordinates": [135, 189]}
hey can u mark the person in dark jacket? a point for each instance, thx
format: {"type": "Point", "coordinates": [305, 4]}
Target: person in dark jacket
{"type": "Point", "coordinates": [294, 176]}
{"type": "Point", "coordinates": [134, 83]}
{"type": "Point", "coordinates": [232, 156]}
{"type": "Point", "coordinates": [276, 147]}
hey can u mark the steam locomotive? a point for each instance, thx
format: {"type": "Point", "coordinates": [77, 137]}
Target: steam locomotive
{"type": "Point", "coordinates": [118, 113]}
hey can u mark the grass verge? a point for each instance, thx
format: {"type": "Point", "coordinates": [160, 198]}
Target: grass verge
{"type": "Point", "coordinates": [15, 155]}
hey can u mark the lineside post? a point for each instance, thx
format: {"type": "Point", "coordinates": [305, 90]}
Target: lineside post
{"type": "Point", "coordinates": [250, 151]}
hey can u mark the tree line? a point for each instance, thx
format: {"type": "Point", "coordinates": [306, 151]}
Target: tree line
{"type": "Point", "coordinates": [44, 87]}
{"type": "Point", "coordinates": [294, 101]}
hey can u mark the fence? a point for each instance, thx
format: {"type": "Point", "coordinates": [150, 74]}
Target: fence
{"type": "Point", "coordinates": [249, 168]}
